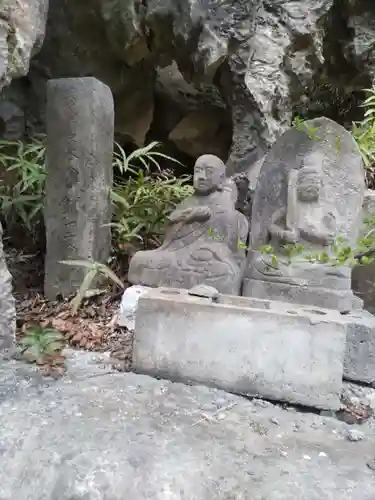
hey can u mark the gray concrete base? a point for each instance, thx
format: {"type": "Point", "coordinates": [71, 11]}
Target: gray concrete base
{"type": "Point", "coordinates": [341, 300]}
{"type": "Point", "coordinates": [359, 363]}
{"type": "Point", "coordinates": [247, 346]}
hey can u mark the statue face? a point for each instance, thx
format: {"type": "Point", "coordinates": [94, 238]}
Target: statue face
{"type": "Point", "coordinates": [209, 174]}
{"type": "Point", "coordinates": [309, 183]}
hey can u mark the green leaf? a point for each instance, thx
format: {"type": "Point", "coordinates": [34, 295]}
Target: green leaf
{"type": "Point", "coordinates": [274, 261]}
{"type": "Point", "coordinates": [53, 347]}
{"type": "Point", "coordinates": [78, 263]}
{"type": "Point", "coordinates": [85, 285]}
{"type": "Point", "coordinates": [110, 274]}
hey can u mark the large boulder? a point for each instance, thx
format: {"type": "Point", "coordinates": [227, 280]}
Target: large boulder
{"type": "Point", "coordinates": [266, 59]}
{"type": "Point", "coordinates": [244, 67]}
{"type": "Point", "coordinates": [99, 435]}
{"type": "Point", "coordinates": [22, 27]}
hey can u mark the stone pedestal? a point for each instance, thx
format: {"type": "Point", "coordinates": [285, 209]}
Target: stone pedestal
{"type": "Point", "coordinates": [329, 298]}
{"type": "Point", "coordinates": [80, 129]}
{"type": "Point", "coordinates": [359, 364]}
{"type": "Point", "coordinates": [247, 346]}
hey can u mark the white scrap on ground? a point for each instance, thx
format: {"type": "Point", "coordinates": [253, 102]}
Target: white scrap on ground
{"type": "Point", "coordinates": [128, 305]}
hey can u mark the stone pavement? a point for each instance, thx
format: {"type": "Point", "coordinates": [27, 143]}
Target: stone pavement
{"type": "Point", "coordinates": [102, 435]}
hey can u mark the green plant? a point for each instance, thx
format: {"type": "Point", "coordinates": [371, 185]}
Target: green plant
{"type": "Point", "coordinates": [93, 270]}
{"type": "Point", "coordinates": [145, 157]}
{"type": "Point", "coordinates": [301, 125]}
{"type": "Point", "coordinates": [339, 253]}
{"type": "Point", "coordinates": [41, 344]}
{"type": "Point", "coordinates": [24, 200]}
{"type": "Point", "coordinates": [364, 134]}
{"type": "Point", "coordinates": [145, 198]}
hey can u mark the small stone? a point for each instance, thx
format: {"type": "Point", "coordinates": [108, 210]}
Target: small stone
{"type": "Point", "coordinates": [355, 435]}
{"type": "Point", "coordinates": [203, 290]}
{"type": "Point", "coordinates": [283, 453]}
{"type": "Point", "coordinates": [274, 421]}
{"type": "Point", "coordinates": [322, 454]}
{"type": "Point", "coordinates": [261, 403]}
{"type": "Point", "coordinates": [306, 457]}
{"type": "Point", "coordinates": [221, 416]}
{"type": "Point", "coordinates": [371, 464]}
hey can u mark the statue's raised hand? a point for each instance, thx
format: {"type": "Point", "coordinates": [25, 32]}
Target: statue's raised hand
{"type": "Point", "coordinates": [191, 214]}
{"type": "Point", "coordinates": [290, 237]}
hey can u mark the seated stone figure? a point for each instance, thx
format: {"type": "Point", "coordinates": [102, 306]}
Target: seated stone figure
{"type": "Point", "coordinates": [309, 193]}
{"type": "Point", "coordinates": [205, 238]}
{"type": "Point", "coordinates": [304, 220]}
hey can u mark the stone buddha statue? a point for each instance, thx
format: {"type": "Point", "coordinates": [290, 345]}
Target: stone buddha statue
{"type": "Point", "coordinates": [309, 193]}
{"type": "Point", "coordinates": [204, 239]}
{"type": "Point", "coordinates": [304, 221]}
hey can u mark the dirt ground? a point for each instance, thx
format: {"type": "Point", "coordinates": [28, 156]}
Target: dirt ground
{"type": "Point", "coordinates": [93, 328]}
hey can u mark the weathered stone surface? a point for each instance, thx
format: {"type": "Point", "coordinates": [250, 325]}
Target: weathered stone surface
{"type": "Point", "coordinates": [310, 192]}
{"type": "Point", "coordinates": [12, 121]}
{"type": "Point", "coordinates": [194, 117]}
{"type": "Point", "coordinates": [175, 332]}
{"type": "Point", "coordinates": [359, 363]}
{"type": "Point", "coordinates": [266, 60]}
{"type": "Point", "coordinates": [80, 127]}
{"type": "Point", "coordinates": [22, 27]}
{"type": "Point", "coordinates": [203, 242]}
{"type": "Point", "coordinates": [7, 303]}
{"type": "Point", "coordinates": [105, 436]}
{"type": "Point", "coordinates": [363, 277]}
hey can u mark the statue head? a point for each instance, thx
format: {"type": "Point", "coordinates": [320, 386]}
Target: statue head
{"type": "Point", "coordinates": [209, 174]}
{"type": "Point", "coordinates": [309, 183]}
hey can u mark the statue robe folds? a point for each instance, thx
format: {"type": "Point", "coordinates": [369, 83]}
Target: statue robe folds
{"type": "Point", "coordinates": [203, 244]}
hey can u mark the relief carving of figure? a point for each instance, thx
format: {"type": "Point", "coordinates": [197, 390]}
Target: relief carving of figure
{"type": "Point", "coordinates": [305, 221]}
{"type": "Point", "coordinates": [307, 203]}
{"type": "Point", "coordinates": [205, 238]}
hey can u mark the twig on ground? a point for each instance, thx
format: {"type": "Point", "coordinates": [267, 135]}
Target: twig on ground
{"type": "Point", "coordinates": [211, 417]}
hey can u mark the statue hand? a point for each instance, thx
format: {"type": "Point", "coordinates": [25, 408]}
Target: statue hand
{"type": "Point", "coordinates": [179, 215]}
{"type": "Point", "coordinates": [202, 213]}
{"type": "Point", "coordinates": [319, 237]}
{"type": "Point", "coordinates": [290, 237]}
{"type": "Point", "coordinates": [190, 214]}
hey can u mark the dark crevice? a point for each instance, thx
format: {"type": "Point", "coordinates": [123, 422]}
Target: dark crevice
{"type": "Point", "coordinates": [335, 90]}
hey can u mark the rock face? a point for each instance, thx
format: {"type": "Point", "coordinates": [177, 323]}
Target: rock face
{"type": "Point", "coordinates": [7, 304]}
{"type": "Point", "coordinates": [109, 436]}
{"type": "Point", "coordinates": [22, 27]}
{"type": "Point", "coordinates": [212, 77]}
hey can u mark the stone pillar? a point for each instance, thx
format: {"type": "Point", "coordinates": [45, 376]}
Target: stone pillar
{"type": "Point", "coordinates": [80, 134]}
{"type": "Point", "coordinates": [7, 304]}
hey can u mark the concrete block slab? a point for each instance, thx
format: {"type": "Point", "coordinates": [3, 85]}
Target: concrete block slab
{"type": "Point", "coordinates": [243, 345]}
{"type": "Point", "coordinates": [359, 361]}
